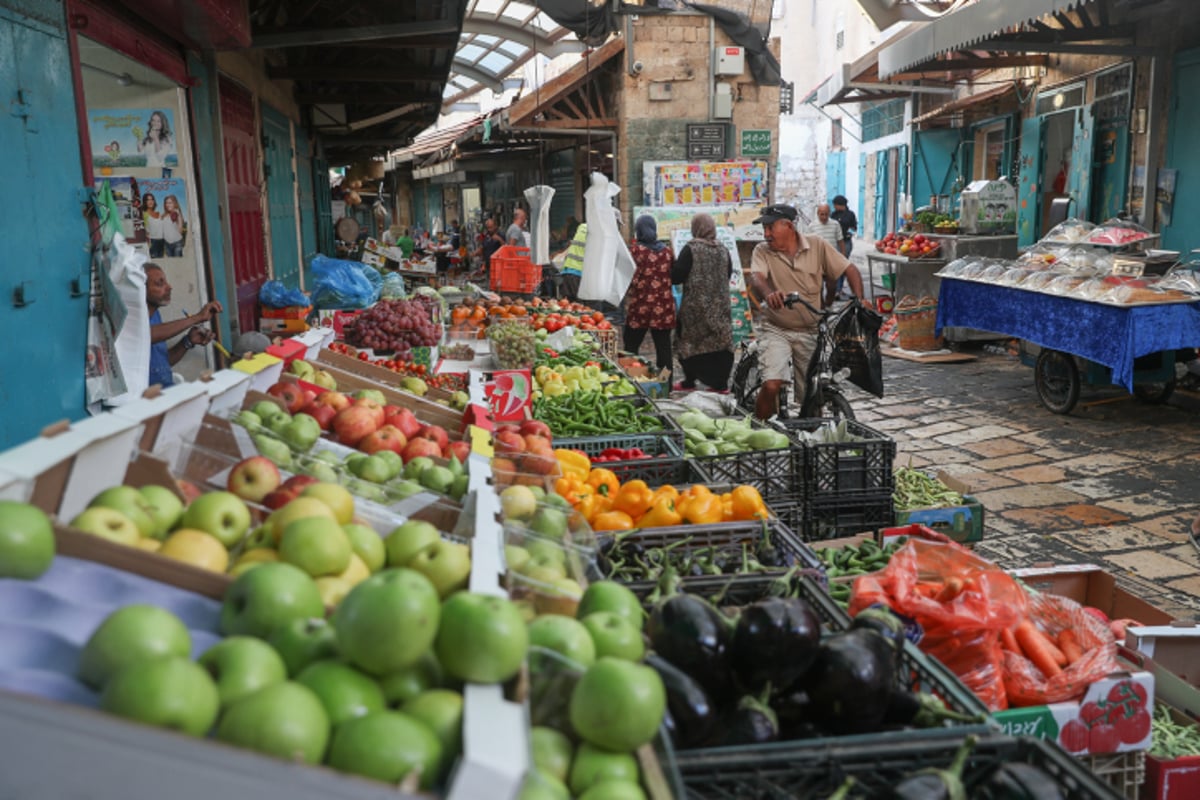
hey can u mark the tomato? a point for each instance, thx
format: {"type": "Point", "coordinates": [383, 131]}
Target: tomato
{"type": "Point", "coordinates": [605, 325]}
{"type": "Point", "coordinates": [617, 705]}
{"type": "Point", "coordinates": [1103, 738]}
{"type": "Point", "coordinates": [1134, 727]}
{"type": "Point", "coordinates": [1127, 690]}
{"type": "Point", "coordinates": [1073, 736]}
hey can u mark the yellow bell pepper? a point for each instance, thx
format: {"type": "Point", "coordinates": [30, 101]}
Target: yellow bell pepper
{"type": "Point", "coordinates": [604, 481]}
{"type": "Point", "coordinates": [634, 498]}
{"type": "Point", "coordinates": [701, 508]}
{"type": "Point", "coordinates": [667, 491]}
{"type": "Point", "coordinates": [572, 488]}
{"type": "Point", "coordinates": [592, 506]}
{"type": "Point", "coordinates": [574, 462]}
{"type": "Point", "coordinates": [612, 521]}
{"type": "Point", "coordinates": [748, 504]}
{"type": "Point", "coordinates": [661, 514]}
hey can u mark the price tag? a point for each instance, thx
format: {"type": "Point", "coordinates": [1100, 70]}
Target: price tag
{"type": "Point", "coordinates": [1127, 267]}
{"type": "Point", "coordinates": [481, 441]}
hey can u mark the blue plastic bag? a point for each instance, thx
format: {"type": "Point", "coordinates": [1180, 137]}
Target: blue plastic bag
{"type": "Point", "coordinates": [274, 294]}
{"type": "Point", "coordinates": [373, 275]}
{"type": "Point", "coordinates": [393, 287]}
{"type": "Point", "coordinates": [342, 284]}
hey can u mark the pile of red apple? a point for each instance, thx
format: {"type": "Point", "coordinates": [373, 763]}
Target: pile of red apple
{"type": "Point", "coordinates": [916, 246]}
{"type": "Point", "coordinates": [524, 453]}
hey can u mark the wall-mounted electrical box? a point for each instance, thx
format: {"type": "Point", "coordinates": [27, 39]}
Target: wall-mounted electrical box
{"type": "Point", "coordinates": [729, 60]}
{"type": "Point", "coordinates": [722, 101]}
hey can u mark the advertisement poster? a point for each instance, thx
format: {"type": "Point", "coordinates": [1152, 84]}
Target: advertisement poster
{"type": "Point", "coordinates": [683, 183]}
{"type": "Point", "coordinates": [127, 194]}
{"type": "Point", "coordinates": [132, 137]}
{"type": "Point", "coordinates": [165, 215]}
{"type": "Point", "coordinates": [739, 220]}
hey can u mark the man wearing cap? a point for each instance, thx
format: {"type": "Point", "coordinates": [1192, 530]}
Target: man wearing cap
{"type": "Point", "coordinates": [849, 223]}
{"type": "Point", "coordinates": [788, 261]}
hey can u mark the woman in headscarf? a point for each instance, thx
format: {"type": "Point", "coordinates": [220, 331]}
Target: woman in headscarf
{"type": "Point", "coordinates": [649, 304]}
{"type": "Point", "coordinates": [705, 340]}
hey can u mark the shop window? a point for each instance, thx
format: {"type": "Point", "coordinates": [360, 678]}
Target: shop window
{"type": "Point", "coordinates": [989, 151]}
{"type": "Point", "coordinates": [1060, 99]}
{"type": "Point", "coordinates": [835, 135]}
{"type": "Point", "coordinates": [882, 119]}
{"type": "Point", "coordinates": [1112, 95]}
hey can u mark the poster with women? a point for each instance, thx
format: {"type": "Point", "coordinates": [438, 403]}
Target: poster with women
{"type": "Point", "coordinates": [132, 137]}
{"type": "Point", "coordinates": [128, 198]}
{"type": "Point", "coordinates": [165, 215]}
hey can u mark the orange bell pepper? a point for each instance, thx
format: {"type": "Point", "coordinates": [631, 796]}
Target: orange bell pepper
{"type": "Point", "coordinates": [572, 489]}
{"type": "Point", "coordinates": [667, 491]}
{"type": "Point", "coordinates": [748, 504]}
{"type": "Point", "coordinates": [612, 521]}
{"type": "Point", "coordinates": [701, 509]}
{"type": "Point", "coordinates": [604, 482]}
{"type": "Point", "coordinates": [634, 498]}
{"type": "Point", "coordinates": [592, 506]}
{"type": "Point", "coordinates": [661, 514]}
{"type": "Point", "coordinates": [573, 462]}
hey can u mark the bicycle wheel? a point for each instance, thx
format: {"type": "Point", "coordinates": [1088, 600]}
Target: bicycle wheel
{"type": "Point", "coordinates": [747, 378]}
{"type": "Point", "coordinates": [1155, 393]}
{"type": "Point", "coordinates": [1057, 381]}
{"type": "Point", "coordinates": [836, 406]}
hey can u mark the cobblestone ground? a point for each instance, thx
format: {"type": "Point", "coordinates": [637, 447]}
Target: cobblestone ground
{"type": "Point", "coordinates": [1115, 483]}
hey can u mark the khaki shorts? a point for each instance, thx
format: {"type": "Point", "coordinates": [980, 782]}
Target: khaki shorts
{"type": "Point", "coordinates": [776, 347]}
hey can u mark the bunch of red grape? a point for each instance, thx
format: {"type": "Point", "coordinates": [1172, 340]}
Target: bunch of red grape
{"type": "Point", "coordinates": [394, 325]}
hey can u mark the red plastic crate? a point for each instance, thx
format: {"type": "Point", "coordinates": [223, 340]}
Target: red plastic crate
{"type": "Point", "coordinates": [511, 270]}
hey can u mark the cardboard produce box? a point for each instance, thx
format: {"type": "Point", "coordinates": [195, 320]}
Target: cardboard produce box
{"type": "Point", "coordinates": [1170, 778]}
{"type": "Point", "coordinates": [961, 523]}
{"type": "Point", "coordinates": [167, 416]}
{"type": "Point", "coordinates": [226, 390]}
{"type": "Point", "coordinates": [1090, 585]}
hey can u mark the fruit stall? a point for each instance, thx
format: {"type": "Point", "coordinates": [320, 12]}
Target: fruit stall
{"type": "Point", "coordinates": [338, 571]}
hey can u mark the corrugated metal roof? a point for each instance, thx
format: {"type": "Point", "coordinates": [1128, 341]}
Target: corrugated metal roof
{"type": "Point", "coordinates": [433, 141]}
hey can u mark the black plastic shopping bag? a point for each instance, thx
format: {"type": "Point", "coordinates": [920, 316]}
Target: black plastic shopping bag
{"type": "Point", "coordinates": [856, 346]}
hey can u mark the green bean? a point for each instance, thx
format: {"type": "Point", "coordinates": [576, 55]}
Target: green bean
{"type": "Point", "coordinates": [1171, 739]}
{"type": "Point", "coordinates": [915, 489]}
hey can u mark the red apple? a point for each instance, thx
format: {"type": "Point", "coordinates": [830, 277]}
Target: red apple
{"type": "Point", "coordinates": [254, 478]}
{"type": "Point", "coordinates": [296, 483]}
{"type": "Point", "coordinates": [509, 441]}
{"type": "Point", "coordinates": [406, 421]}
{"type": "Point", "coordinates": [376, 409]}
{"type": "Point", "coordinates": [280, 498]}
{"type": "Point", "coordinates": [354, 423]}
{"type": "Point", "coordinates": [435, 433]}
{"type": "Point", "coordinates": [309, 396]}
{"type": "Point", "coordinates": [335, 400]}
{"type": "Point", "coordinates": [535, 427]}
{"type": "Point", "coordinates": [533, 441]}
{"type": "Point", "coordinates": [291, 395]}
{"type": "Point", "coordinates": [388, 437]}
{"type": "Point", "coordinates": [460, 450]}
{"type": "Point", "coordinates": [420, 447]}
{"type": "Point", "coordinates": [322, 414]}
{"type": "Point", "coordinates": [391, 409]}
{"type": "Point", "coordinates": [190, 490]}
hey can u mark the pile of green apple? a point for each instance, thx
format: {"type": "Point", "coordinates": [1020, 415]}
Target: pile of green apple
{"type": "Point", "coordinates": [384, 477]}
{"type": "Point", "coordinates": [26, 540]}
{"type": "Point", "coordinates": [539, 557]}
{"type": "Point", "coordinates": [313, 374]}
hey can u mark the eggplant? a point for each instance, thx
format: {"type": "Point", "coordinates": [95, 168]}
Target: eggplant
{"type": "Point", "coordinates": [938, 784]}
{"type": "Point", "coordinates": [775, 642]}
{"type": "Point", "coordinates": [851, 682]}
{"type": "Point", "coordinates": [752, 721]}
{"type": "Point", "coordinates": [693, 716]}
{"type": "Point", "coordinates": [1017, 781]}
{"type": "Point", "coordinates": [921, 710]}
{"type": "Point", "coordinates": [885, 623]}
{"type": "Point", "coordinates": [794, 710]}
{"type": "Point", "coordinates": [767, 553]}
{"type": "Point", "coordinates": [694, 636]}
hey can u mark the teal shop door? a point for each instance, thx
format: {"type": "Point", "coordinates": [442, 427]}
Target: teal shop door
{"type": "Point", "coordinates": [881, 194]}
{"type": "Point", "coordinates": [307, 200]}
{"type": "Point", "coordinates": [45, 236]}
{"type": "Point", "coordinates": [1179, 227]}
{"type": "Point", "coordinates": [835, 174]}
{"type": "Point", "coordinates": [935, 163]}
{"type": "Point", "coordinates": [1079, 178]}
{"type": "Point", "coordinates": [1029, 190]}
{"type": "Point", "coordinates": [1111, 178]}
{"type": "Point", "coordinates": [281, 196]}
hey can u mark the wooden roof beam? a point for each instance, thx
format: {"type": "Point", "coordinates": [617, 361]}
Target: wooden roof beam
{"type": "Point", "coordinates": [364, 74]}
{"type": "Point", "coordinates": [303, 37]}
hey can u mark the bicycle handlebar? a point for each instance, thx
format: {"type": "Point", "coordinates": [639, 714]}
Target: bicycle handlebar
{"type": "Point", "coordinates": [792, 298]}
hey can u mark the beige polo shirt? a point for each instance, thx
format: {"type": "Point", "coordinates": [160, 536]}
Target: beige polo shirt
{"type": "Point", "coordinates": [815, 262]}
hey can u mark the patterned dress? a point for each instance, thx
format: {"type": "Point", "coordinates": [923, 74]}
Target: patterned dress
{"type": "Point", "coordinates": [706, 323]}
{"type": "Point", "coordinates": [649, 302]}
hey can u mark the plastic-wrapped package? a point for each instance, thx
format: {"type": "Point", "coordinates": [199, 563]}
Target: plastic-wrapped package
{"type": "Point", "coordinates": [1182, 280]}
{"type": "Point", "coordinates": [1041, 256]}
{"type": "Point", "coordinates": [973, 270]}
{"type": "Point", "coordinates": [1015, 276]}
{"type": "Point", "coordinates": [1039, 280]}
{"type": "Point", "coordinates": [1146, 290]}
{"type": "Point", "coordinates": [992, 274]}
{"type": "Point", "coordinates": [1069, 231]}
{"type": "Point", "coordinates": [1085, 261]}
{"type": "Point", "coordinates": [954, 268]}
{"type": "Point", "coordinates": [1118, 233]}
{"type": "Point", "coordinates": [1094, 289]}
{"type": "Point", "coordinates": [1063, 284]}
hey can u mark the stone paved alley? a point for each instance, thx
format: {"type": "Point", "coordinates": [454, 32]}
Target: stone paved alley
{"type": "Point", "coordinates": [1116, 483]}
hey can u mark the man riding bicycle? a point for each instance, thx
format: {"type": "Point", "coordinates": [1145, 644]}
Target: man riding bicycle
{"type": "Point", "coordinates": [787, 261]}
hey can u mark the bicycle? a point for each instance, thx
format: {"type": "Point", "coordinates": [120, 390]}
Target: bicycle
{"type": "Point", "coordinates": [823, 396]}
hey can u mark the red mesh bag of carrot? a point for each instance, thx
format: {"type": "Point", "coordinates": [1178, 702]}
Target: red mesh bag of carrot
{"type": "Point", "coordinates": [960, 602]}
{"type": "Point", "coordinates": [1067, 651]}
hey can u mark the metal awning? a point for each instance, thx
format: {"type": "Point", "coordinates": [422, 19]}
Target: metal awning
{"type": "Point", "coordinates": [858, 82]}
{"type": "Point", "coordinates": [965, 27]}
{"type": "Point", "coordinates": [990, 102]}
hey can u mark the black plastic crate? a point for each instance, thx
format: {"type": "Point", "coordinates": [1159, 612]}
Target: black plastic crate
{"type": "Point", "coordinates": [644, 439]}
{"type": "Point", "coordinates": [845, 516]}
{"type": "Point", "coordinates": [665, 465]}
{"type": "Point", "coordinates": [779, 773]}
{"type": "Point", "coordinates": [777, 474]}
{"type": "Point", "coordinates": [834, 469]}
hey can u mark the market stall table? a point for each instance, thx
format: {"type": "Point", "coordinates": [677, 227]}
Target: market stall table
{"type": "Point", "coordinates": [1112, 336]}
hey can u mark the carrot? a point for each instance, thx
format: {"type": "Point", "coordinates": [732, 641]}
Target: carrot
{"type": "Point", "coordinates": [951, 589]}
{"type": "Point", "coordinates": [1009, 642]}
{"type": "Point", "coordinates": [1069, 642]}
{"type": "Point", "coordinates": [1037, 648]}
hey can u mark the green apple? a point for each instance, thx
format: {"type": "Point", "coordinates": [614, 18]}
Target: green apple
{"type": "Point", "coordinates": [446, 564]}
{"type": "Point", "coordinates": [337, 497]}
{"type": "Point", "coordinates": [258, 538]}
{"type": "Point", "coordinates": [415, 467]}
{"type": "Point", "coordinates": [316, 545]}
{"type": "Point", "coordinates": [386, 746]}
{"type": "Point", "coordinates": [333, 589]}
{"type": "Point", "coordinates": [324, 380]}
{"type": "Point", "coordinates": [302, 368]}
{"type": "Point", "coordinates": [321, 470]}
{"type": "Point", "coordinates": [481, 638]}
{"type": "Point", "coordinates": [459, 487]}
{"type": "Point", "coordinates": [367, 545]}
{"type": "Point", "coordinates": [26, 540]}
{"type": "Point", "coordinates": [615, 636]}
{"type": "Point", "coordinates": [247, 419]}
{"type": "Point", "coordinates": [592, 765]}
{"type": "Point", "coordinates": [617, 705]}
{"type": "Point", "coordinates": [128, 635]}
{"type": "Point", "coordinates": [302, 641]}
{"type": "Point", "coordinates": [170, 692]}
{"type": "Point", "coordinates": [266, 409]}
{"type": "Point", "coordinates": [329, 456]}
{"type": "Point", "coordinates": [277, 425]}
{"type": "Point", "coordinates": [549, 522]}
{"type": "Point", "coordinates": [388, 621]}
{"type": "Point", "coordinates": [345, 692]}
{"type": "Point", "coordinates": [517, 503]}
{"type": "Point", "coordinates": [437, 479]}
{"type": "Point", "coordinates": [374, 469]}
{"type": "Point", "coordinates": [272, 448]}
{"type": "Point", "coordinates": [515, 556]}
{"type": "Point", "coordinates": [414, 385]}
{"type": "Point", "coordinates": [223, 514]}
{"type": "Point", "coordinates": [301, 433]}
{"type": "Point", "coordinates": [408, 539]}
{"type": "Point", "coordinates": [107, 524]}
{"type": "Point", "coordinates": [164, 507]}
{"type": "Point", "coordinates": [404, 488]}
{"type": "Point", "coordinates": [407, 682]}
{"type": "Point", "coordinates": [394, 461]}
{"type": "Point", "coordinates": [540, 785]}
{"type": "Point", "coordinates": [545, 552]}
{"type": "Point", "coordinates": [609, 789]}
{"type": "Point", "coordinates": [367, 490]}
{"type": "Point", "coordinates": [613, 597]}
{"type": "Point", "coordinates": [563, 635]}
{"type": "Point", "coordinates": [130, 502]}
{"type": "Point", "coordinates": [538, 492]}
{"type": "Point", "coordinates": [371, 394]}
{"type": "Point", "coordinates": [552, 751]}
{"type": "Point", "coordinates": [354, 463]}
{"type": "Point", "coordinates": [268, 596]}
{"type": "Point", "coordinates": [556, 500]}
{"type": "Point", "coordinates": [297, 509]}
{"type": "Point", "coordinates": [241, 665]}
{"type": "Point", "coordinates": [285, 720]}
{"type": "Point", "coordinates": [442, 711]}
